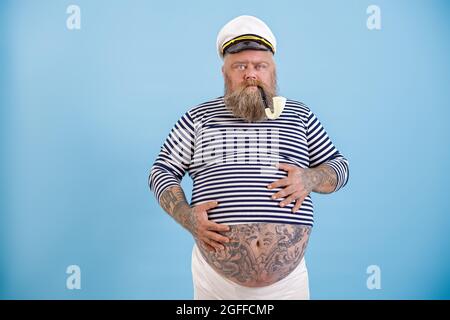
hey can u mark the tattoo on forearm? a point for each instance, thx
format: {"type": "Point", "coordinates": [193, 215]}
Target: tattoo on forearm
{"type": "Point", "coordinates": [173, 201]}
{"type": "Point", "coordinates": [281, 247]}
{"type": "Point", "coordinates": [326, 179]}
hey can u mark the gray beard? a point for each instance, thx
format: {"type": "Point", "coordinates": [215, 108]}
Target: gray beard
{"type": "Point", "coordinates": [248, 105]}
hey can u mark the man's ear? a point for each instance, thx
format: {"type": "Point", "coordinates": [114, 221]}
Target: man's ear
{"type": "Point", "coordinates": [222, 71]}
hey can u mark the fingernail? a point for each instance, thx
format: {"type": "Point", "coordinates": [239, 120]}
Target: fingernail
{"type": "Point", "coordinates": [270, 187]}
{"type": "Point", "coordinates": [281, 204]}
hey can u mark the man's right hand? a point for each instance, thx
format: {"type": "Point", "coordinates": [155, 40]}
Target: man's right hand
{"type": "Point", "coordinates": [194, 219]}
{"type": "Point", "coordinates": [203, 229]}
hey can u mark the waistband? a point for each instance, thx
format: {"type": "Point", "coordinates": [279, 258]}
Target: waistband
{"type": "Point", "coordinates": [209, 284]}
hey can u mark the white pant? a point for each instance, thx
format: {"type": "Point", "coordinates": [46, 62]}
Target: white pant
{"type": "Point", "coordinates": [210, 285]}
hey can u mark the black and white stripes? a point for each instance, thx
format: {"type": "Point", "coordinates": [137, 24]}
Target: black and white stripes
{"type": "Point", "coordinates": [232, 161]}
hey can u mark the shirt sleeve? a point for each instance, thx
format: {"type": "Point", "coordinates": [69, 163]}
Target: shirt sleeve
{"type": "Point", "coordinates": [322, 151]}
{"type": "Point", "coordinates": [174, 157]}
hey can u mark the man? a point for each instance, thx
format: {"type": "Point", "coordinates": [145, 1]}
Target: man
{"type": "Point", "coordinates": [251, 211]}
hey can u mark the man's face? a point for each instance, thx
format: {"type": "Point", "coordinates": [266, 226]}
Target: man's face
{"type": "Point", "coordinates": [243, 72]}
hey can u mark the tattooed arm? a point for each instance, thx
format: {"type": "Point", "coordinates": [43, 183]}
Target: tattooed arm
{"type": "Point", "coordinates": [173, 201]}
{"type": "Point", "coordinates": [323, 179]}
{"type": "Point", "coordinates": [194, 219]}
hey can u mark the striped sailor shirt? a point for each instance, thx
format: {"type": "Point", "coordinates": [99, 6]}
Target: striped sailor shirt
{"type": "Point", "coordinates": [232, 161]}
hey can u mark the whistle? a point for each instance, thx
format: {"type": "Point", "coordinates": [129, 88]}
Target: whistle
{"type": "Point", "coordinates": [278, 103]}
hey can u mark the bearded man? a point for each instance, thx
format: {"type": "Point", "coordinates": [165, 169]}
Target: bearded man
{"type": "Point", "coordinates": [251, 211]}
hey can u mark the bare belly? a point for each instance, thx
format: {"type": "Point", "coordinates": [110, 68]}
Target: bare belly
{"type": "Point", "coordinates": [259, 254]}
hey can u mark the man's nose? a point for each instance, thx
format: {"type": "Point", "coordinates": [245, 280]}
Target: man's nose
{"type": "Point", "coordinates": [250, 74]}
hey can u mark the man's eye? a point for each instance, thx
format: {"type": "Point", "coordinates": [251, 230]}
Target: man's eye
{"type": "Point", "coordinates": [240, 66]}
{"type": "Point", "coordinates": [261, 66]}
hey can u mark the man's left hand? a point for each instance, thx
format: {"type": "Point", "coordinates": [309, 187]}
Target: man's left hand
{"type": "Point", "coordinates": [298, 184]}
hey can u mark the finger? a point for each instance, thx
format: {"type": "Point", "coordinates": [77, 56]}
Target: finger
{"type": "Point", "coordinates": [285, 166]}
{"type": "Point", "coordinates": [217, 237]}
{"type": "Point", "coordinates": [209, 205]}
{"type": "Point", "coordinates": [283, 193]}
{"type": "Point", "coordinates": [214, 244]}
{"type": "Point", "coordinates": [298, 204]}
{"type": "Point", "coordinates": [279, 183]}
{"type": "Point", "coordinates": [211, 225]}
{"type": "Point", "coordinates": [287, 201]}
{"type": "Point", "coordinates": [207, 246]}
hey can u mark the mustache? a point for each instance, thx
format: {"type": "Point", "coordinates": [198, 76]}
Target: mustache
{"type": "Point", "coordinates": [263, 90]}
{"type": "Point", "coordinates": [251, 82]}
{"type": "Point", "coordinates": [249, 105]}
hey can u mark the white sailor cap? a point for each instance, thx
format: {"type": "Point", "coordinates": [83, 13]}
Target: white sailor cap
{"type": "Point", "coordinates": [245, 33]}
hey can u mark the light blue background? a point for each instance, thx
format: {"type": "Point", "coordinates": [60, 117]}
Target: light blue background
{"type": "Point", "coordinates": [84, 113]}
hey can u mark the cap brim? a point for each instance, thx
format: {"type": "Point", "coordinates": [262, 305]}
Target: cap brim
{"type": "Point", "coordinates": [245, 45]}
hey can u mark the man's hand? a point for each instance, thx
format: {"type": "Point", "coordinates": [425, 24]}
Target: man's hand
{"type": "Point", "coordinates": [301, 181]}
{"type": "Point", "coordinates": [298, 184]}
{"type": "Point", "coordinates": [196, 221]}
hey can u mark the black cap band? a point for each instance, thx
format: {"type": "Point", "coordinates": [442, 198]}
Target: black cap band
{"type": "Point", "coordinates": [247, 42]}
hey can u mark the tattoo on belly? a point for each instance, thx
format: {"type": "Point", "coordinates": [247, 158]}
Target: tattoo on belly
{"type": "Point", "coordinates": [259, 254]}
